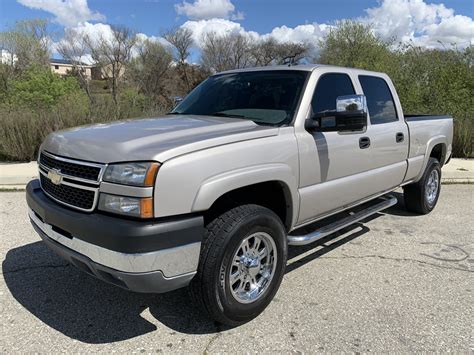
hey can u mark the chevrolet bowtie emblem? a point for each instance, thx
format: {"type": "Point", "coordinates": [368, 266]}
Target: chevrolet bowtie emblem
{"type": "Point", "coordinates": [55, 177]}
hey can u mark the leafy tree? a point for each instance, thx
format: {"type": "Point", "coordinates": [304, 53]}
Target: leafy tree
{"type": "Point", "coordinates": [353, 44]}
{"type": "Point", "coordinates": [439, 82]}
{"type": "Point", "coordinates": [28, 43]}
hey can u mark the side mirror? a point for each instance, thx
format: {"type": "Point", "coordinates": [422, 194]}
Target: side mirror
{"type": "Point", "coordinates": [350, 115]}
{"type": "Point", "coordinates": [177, 100]}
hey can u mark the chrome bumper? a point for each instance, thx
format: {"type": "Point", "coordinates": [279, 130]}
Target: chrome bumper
{"type": "Point", "coordinates": [159, 271]}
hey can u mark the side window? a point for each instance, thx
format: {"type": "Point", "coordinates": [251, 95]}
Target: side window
{"type": "Point", "coordinates": [328, 88]}
{"type": "Point", "coordinates": [379, 99]}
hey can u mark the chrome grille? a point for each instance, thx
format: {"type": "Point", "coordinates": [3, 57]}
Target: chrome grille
{"type": "Point", "coordinates": [76, 184]}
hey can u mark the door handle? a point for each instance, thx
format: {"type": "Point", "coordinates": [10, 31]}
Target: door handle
{"type": "Point", "coordinates": [400, 137]}
{"type": "Point", "coordinates": [364, 142]}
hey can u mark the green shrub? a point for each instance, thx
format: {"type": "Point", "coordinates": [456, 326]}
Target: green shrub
{"type": "Point", "coordinates": [41, 88]}
{"type": "Point", "coordinates": [463, 140]}
{"type": "Point", "coordinates": [22, 129]}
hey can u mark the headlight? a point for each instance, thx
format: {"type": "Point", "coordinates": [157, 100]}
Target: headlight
{"type": "Point", "coordinates": [137, 174]}
{"type": "Point", "coordinates": [130, 206]}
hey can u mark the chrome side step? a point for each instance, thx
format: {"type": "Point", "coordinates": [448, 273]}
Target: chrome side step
{"type": "Point", "coordinates": [328, 229]}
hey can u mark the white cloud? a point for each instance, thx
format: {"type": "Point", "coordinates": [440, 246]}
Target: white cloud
{"type": "Point", "coordinates": [405, 20]}
{"type": "Point", "coordinates": [66, 12]}
{"type": "Point", "coordinates": [423, 24]}
{"type": "Point", "coordinates": [95, 31]}
{"type": "Point", "coordinates": [217, 26]}
{"type": "Point", "coordinates": [309, 33]}
{"type": "Point", "coordinates": [208, 9]}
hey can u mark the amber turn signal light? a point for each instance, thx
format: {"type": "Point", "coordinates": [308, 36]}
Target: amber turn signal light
{"type": "Point", "coordinates": [146, 207]}
{"type": "Point", "coordinates": [151, 174]}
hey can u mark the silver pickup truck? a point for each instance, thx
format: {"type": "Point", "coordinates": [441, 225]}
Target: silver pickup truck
{"type": "Point", "coordinates": [212, 194]}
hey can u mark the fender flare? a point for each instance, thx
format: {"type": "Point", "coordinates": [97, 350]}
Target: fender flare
{"type": "Point", "coordinates": [218, 185]}
{"type": "Point", "coordinates": [429, 148]}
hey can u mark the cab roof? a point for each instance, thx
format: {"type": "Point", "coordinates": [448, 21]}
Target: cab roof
{"type": "Point", "coordinates": [299, 67]}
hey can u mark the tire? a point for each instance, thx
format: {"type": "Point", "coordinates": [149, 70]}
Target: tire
{"type": "Point", "coordinates": [225, 236]}
{"type": "Point", "coordinates": [421, 197]}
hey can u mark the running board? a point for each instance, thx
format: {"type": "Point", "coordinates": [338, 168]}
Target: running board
{"type": "Point", "coordinates": [326, 230]}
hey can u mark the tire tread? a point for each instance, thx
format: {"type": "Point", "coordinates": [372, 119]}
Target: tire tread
{"type": "Point", "coordinates": [212, 247]}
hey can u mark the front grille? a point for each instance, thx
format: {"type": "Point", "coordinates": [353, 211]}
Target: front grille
{"type": "Point", "coordinates": [69, 168]}
{"type": "Point", "coordinates": [69, 195]}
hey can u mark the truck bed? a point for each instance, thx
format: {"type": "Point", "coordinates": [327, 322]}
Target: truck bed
{"type": "Point", "coordinates": [426, 131]}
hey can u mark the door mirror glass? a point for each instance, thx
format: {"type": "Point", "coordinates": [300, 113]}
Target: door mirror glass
{"type": "Point", "coordinates": [352, 103]}
{"type": "Point", "coordinates": [350, 115]}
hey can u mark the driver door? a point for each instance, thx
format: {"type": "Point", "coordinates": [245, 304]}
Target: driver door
{"type": "Point", "coordinates": [333, 165]}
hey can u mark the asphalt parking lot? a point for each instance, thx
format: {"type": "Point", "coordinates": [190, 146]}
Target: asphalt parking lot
{"type": "Point", "coordinates": [398, 282]}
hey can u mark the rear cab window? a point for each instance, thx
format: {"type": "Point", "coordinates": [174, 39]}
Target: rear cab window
{"type": "Point", "coordinates": [379, 99]}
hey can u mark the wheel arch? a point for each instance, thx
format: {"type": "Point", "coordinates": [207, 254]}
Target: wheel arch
{"type": "Point", "coordinates": [272, 186]}
{"type": "Point", "coordinates": [436, 147]}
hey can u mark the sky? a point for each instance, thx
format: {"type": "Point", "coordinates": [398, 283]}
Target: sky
{"type": "Point", "coordinates": [423, 22]}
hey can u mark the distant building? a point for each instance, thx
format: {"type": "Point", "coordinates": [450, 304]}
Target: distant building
{"type": "Point", "coordinates": [63, 67]}
{"type": "Point", "coordinates": [7, 57]}
{"type": "Point", "coordinates": [104, 72]}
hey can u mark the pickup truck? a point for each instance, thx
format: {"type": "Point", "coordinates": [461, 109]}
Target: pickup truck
{"type": "Point", "coordinates": [212, 194]}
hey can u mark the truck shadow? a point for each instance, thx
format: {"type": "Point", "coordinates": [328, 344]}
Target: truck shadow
{"type": "Point", "coordinates": [399, 209]}
{"type": "Point", "coordinates": [84, 308]}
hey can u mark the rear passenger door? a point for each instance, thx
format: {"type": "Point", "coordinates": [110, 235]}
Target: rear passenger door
{"type": "Point", "coordinates": [388, 131]}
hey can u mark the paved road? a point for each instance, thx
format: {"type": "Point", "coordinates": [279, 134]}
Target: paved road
{"type": "Point", "coordinates": [395, 283]}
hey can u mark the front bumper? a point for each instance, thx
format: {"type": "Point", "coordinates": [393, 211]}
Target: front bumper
{"type": "Point", "coordinates": [142, 256]}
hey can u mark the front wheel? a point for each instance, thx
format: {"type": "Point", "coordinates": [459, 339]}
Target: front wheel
{"type": "Point", "coordinates": [422, 196]}
{"type": "Point", "coordinates": [242, 263]}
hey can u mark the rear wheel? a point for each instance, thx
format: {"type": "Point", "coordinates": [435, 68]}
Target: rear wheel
{"type": "Point", "coordinates": [242, 263]}
{"type": "Point", "coordinates": [422, 196]}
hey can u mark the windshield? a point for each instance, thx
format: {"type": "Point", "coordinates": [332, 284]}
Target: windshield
{"type": "Point", "coordinates": [265, 97]}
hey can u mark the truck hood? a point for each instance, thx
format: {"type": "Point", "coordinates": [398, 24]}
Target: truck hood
{"type": "Point", "coordinates": [158, 139]}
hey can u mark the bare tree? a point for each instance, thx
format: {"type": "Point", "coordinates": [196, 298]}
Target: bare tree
{"type": "Point", "coordinates": [292, 52]}
{"type": "Point", "coordinates": [74, 48]}
{"type": "Point", "coordinates": [112, 54]}
{"type": "Point", "coordinates": [265, 52]}
{"type": "Point", "coordinates": [224, 52]}
{"type": "Point", "coordinates": [148, 68]}
{"type": "Point", "coordinates": [182, 41]}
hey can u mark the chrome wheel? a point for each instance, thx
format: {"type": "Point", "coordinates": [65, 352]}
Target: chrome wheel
{"type": "Point", "coordinates": [253, 267]}
{"type": "Point", "coordinates": [432, 185]}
